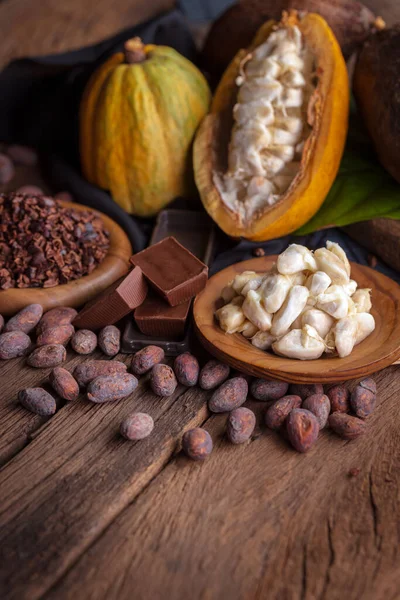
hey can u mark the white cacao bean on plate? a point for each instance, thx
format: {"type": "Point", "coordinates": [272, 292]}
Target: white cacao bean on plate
{"type": "Point", "coordinates": [230, 317]}
{"type": "Point", "coordinates": [340, 253]}
{"type": "Point", "coordinates": [263, 340]}
{"type": "Point", "coordinates": [331, 265]}
{"type": "Point", "coordinates": [318, 283]}
{"type": "Point", "coordinates": [274, 291]}
{"type": "Point", "coordinates": [334, 301]}
{"type": "Point", "coordinates": [320, 320]}
{"type": "Point", "coordinates": [255, 311]}
{"type": "Point", "coordinates": [290, 310]}
{"type": "Point", "coordinates": [241, 279]}
{"type": "Point", "coordinates": [247, 329]}
{"type": "Point", "coordinates": [294, 259]}
{"type": "Point", "coordinates": [362, 300]}
{"type": "Point", "coordinates": [303, 344]}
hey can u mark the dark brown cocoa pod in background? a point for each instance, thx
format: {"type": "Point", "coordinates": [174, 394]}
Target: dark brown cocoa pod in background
{"type": "Point", "coordinates": [197, 443]}
{"type": "Point", "coordinates": [302, 429]}
{"type": "Point", "coordinates": [14, 344]}
{"type": "Point", "coordinates": [339, 397]}
{"type": "Point", "coordinates": [26, 319]}
{"type": "Point", "coordinates": [186, 367]}
{"type": "Point", "coordinates": [230, 395]}
{"type": "Point", "coordinates": [277, 414]}
{"type": "Point", "coordinates": [89, 370]}
{"type": "Point", "coordinates": [145, 359]}
{"type": "Point", "coordinates": [51, 355]}
{"type": "Point", "coordinates": [56, 335]}
{"type": "Point", "coordinates": [84, 341]}
{"type": "Point", "coordinates": [240, 425]}
{"type": "Point", "coordinates": [38, 401]}
{"type": "Point", "coordinates": [305, 389]}
{"type": "Point", "coordinates": [346, 426]}
{"type": "Point", "coordinates": [320, 406]}
{"type": "Point", "coordinates": [110, 340]}
{"type": "Point", "coordinates": [63, 382]}
{"type": "Point", "coordinates": [162, 380]}
{"type": "Point", "coordinates": [266, 390]}
{"type": "Point", "coordinates": [213, 374]}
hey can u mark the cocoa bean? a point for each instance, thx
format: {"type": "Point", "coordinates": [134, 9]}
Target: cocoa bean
{"type": "Point", "coordinates": [64, 197]}
{"type": "Point", "coordinates": [56, 335]}
{"type": "Point", "coordinates": [162, 380]}
{"type": "Point", "coordinates": [22, 155]}
{"type": "Point", "coordinates": [339, 397]}
{"type": "Point", "coordinates": [84, 341]}
{"type": "Point", "coordinates": [320, 406]}
{"type": "Point", "coordinates": [62, 315]}
{"type": "Point", "coordinates": [305, 389]}
{"type": "Point", "coordinates": [7, 170]}
{"type": "Point", "coordinates": [137, 426]}
{"type": "Point", "coordinates": [47, 356]}
{"type": "Point", "coordinates": [26, 319]}
{"type": "Point", "coordinates": [186, 367]}
{"type": "Point", "coordinates": [197, 443]}
{"type": "Point", "coordinates": [368, 384]}
{"type": "Point", "coordinates": [276, 414]}
{"type": "Point", "coordinates": [213, 374]}
{"type": "Point", "coordinates": [145, 359]}
{"type": "Point", "coordinates": [265, 390]}
{"type": "Point", "coordinates": [63, 382]}
{"type": "Point", "coordinates": [109, 388]}
{"type": "Point", "coordinates": [302, 429]}
{"type": "Point", "coordinates": [346, 426]}
{"type": "Point", "coordinates": [13, 344]}
{"type": "Point", "coordinates": [38, 401]}
{"type": "Point", "coordinates": [87, 371]}
{"type": "Point", "coordinates": [362, 401]}
{"type": "Point", "coordinates": [110, 340]}
{"type": "Point", "coordinates": [1, 323]}
{"type": "Point", "coordinates": [241, 424]}
{"type": "Point", "coordinates": [30, 190]}
{"type": "Point", "coordinates": [229, 395]}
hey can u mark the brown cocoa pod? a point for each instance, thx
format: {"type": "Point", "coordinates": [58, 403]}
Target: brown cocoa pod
{"type": "Point", "coordinates": [362, 401]}
{"type": "Point", "coordinates": [186, 367]}
{"type": "Point", "coordinates": [22, 155]}
{"type": "Point", "coordinates": [62, 315]}
{"type": "Point", "coordinates": [13, 344]}
{"type": "Point", "coordinates": [145, 359]}
{"type": "Point", "coordinates": [162, 380]}
{"type": "Point", "coordinates": [346, 426]}
{"type": "Point", "coordinates": [265, 390]}
{"type": "Point", "coordinates": [110, 340]}
{"type": "Point", "coordinates": [56, 335]}
{"type": "Point", "coordinates": [197, 443]}
{"type": "Point", "coordinates": [38, 401]}
{"type": "Point", "coordinates": [339, 397]}
{"type": "Point", "coordinates": [305, 389]}
{"type": "Point", "coordinates": [302, 429]}
{"type": "Point", "coordinates": [7, 170]}
{"type": "Point", "coordinates": [84, 341]}
{"type": "Point", "coordinates": [213, 374]}
{"type": "Point", "coordinates": [26, 319]}
{"type": "Point", "coordinates": [276, 414]}
{"type": "Point", "coordinates": [109, 388]}
{"type": "Point", "coordinates": [51, 355]}
{"type": "Point", "coordinates": [241, 424]}
{"type": "Point", "coordinates": [87, 371]}
{"type": "Point", "coordinates": [137, 426]}
{"type": "Point", "coordinates": [320, 406]}
{"type": "Point", "coordinates": [230, 395]}
{"type": "Point", "coordinates": [63, 382]}
{"type": "Point", "coordinates": [1, 323]}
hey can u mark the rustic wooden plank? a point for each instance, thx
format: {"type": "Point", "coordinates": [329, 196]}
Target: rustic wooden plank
{"type": "Point", "coordinates": [260, 521]}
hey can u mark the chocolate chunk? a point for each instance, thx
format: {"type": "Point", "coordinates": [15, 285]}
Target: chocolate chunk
{"type": "Point", "coordinates": [155, 317]}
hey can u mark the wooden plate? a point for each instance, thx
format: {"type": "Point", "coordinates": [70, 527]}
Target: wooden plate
{"type": "Point", "coordinates": [75, 293]}
{"type": "Point", "coordinates": [378, 351]}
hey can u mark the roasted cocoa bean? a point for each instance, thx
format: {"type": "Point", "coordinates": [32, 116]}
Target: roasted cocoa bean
{"type": "Point", "coordinates": [62, 315]}
{"type": "Point", "coordinates": [162, 380]}
{"type": "Point", "coordinates": [240, 425]}
{"type": "Point", "coordinates": [137, 426]}
{"type": "Point", "coordinates": [38, 401]}
{"type": "Point", "coordinates": [276, 414]}
{"type": "Point", "coordinates": [51, 355]}
{"type": "Point", "coordinates": [346, 426]}
{"type": "Point", "coordinates": [22, 155]}
{"type": "Point", "coordinates": [368, 384]}
{"type": "Point", "coordinates": [7, 170]}
{"type": "Point", "coordinates": [230, 395]}
{"type": "Point", "coordinates": [186, 367]}
{"type": "Point", "coordinates": [13, 344]}
{"type": "Point", "coordinates": [305, 389]}
{"type": "Point", "coordinates": [145, 359]}
{"type": "Point", "coordinates": [339, 397]}
{"type": "Point", "coordinates": [362, 401]}
{"type": "Point", "coordinates": [1, 323]}
{"type": "Point", "coordinates": [302, 429]}
{"type": "Point", "coordinates": [63, 382]}
{"type": "Point", "coordinates": [86, 372]}
{"type": "Point", "coordinates": [110, 340]}
{"type": "Point", "coordinates": [109, 388]}
{"type": "Point", "coordinates": [56, 335]}
{"type": "Point", "coordinates": [84, 341]}
{"type": "Point", "coordinates": [197, 443]}
{"type": "Point", "coordinates": [320, 406]}
{"type": "Point", "coordinates": [265, 390]}
{"type": "Point", "coordinates": [213, 374]}
{"type": "Point", "coordinates": [26, 319]}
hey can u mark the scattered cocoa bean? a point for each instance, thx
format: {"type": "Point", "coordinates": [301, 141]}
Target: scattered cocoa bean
{"type": "Point", "coordinates": [84, 341]}
{"type": "Point", "coordinates": [276, 414]}
{"type": "Point", "coordinates": [30, 190]}
{"type": "Point", "coordinates": [22, 155]}
{"type": "Point", "coordinates": [265, 390]}
{"type": "Point", "coordinates": [305, 389]}
{"type": "Point", "coordinates": [64, 197]}
{"type": "Point", "coordinates": [38, 401]}
{"type": "Point", "coordinates": [353, 472]}
{"type": "Point", "coordinates": [162, 380]}
{"type": "Point", "coordinates": [63, 382]}
{"type": "Point", "coordinates": [62, 315]}
{"type": "Point", "coordinates": [339, 396]}
{"type": "Point", "coordinates": [7, 170]}
{"type": "Point", "coordinates": [13, 344]}
{"type": "Point", "coordinates": [91, 369]}
{"type": "Point", "coordinates": [346, 426]}
{"type": "Point", "coordinates": [145, 359]}
{"type": "Point", "coordinates": [229, 395]}
{"type": "Point", "coordinates": [368, 384]}
{"type": "Point", "coordinates": [258, 252]}
{"type": "Point", "coordinates": [213, 374]}
{"type": "Point", "coordinates": [56, 335]}
{"type": "Point", "coordinates": [362, 401]}
{"type": "Point", "coordinates": [241, 424]}
{"type": "Point", "coordinates": [1, 323]}
{"type": "Point", "coordinates": [320, 406]}
{"type": "Point", "coordinates": [186, 367]}
{"type": "Point", "coordinates": [26, 319]}
{"type": "Point", "coordinates": [302, 429]}
{"type": "Point", "coordinates": [137, 426]}
{"type": "Point", "coordinates": [110, 340]}
{"type": "Point", "coordinates": [47, 356]}
{"type": "Point", "coordinates": [197, 443]}
{"type": "Point", "coordinates": [109, 388]}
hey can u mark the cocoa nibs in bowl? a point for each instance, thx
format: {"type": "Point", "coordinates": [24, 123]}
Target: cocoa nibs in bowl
{"type": "Point", "coordinates": [43, 244]}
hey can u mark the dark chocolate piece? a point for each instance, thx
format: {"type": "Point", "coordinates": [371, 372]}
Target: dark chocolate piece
{"type": "Point", "coordinates": [174, 272]}
{"type": "Point", "coordinates": [114, 303]}
{"type": "Point", "coordinates": [157, 318]}
{"type": "Point", "coordinates": [133, 340]}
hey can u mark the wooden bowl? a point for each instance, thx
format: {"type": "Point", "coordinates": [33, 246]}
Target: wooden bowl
{"type": "Point", "coordinates": [376, 352]}
{"type": "Point", "coordinates": [77, 292]}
